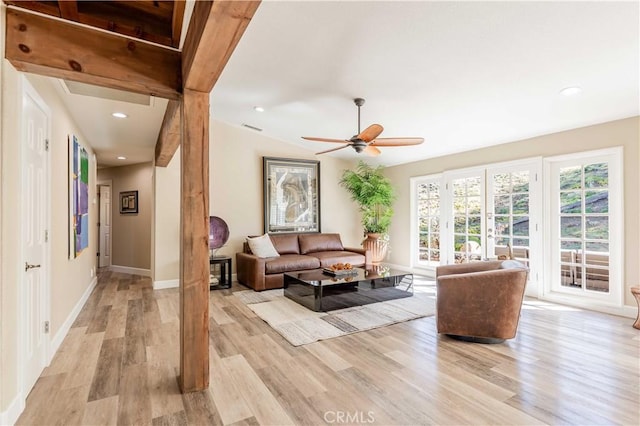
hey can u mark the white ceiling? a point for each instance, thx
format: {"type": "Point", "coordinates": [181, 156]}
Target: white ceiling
{"type": "Point", "coordinates": [133, 137]}
{"type": "Point", "coordinates": [463, 75]}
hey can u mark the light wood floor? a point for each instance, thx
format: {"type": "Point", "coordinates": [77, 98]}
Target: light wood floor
{"type": "Point", "coordinates": [118, 365]}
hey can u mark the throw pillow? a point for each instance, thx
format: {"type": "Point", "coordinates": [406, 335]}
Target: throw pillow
{"type": "Point", "coordinates": [512, 264]}
{"type": "Point", "coordinates": [262, 246]}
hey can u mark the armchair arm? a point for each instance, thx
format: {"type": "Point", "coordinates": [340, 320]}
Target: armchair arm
{"type": "Point", "coordinates": [250, 269]}
{"type": "Point", "coordinates": [367, 253]}
{"type": "Point", "coordinates": [464, 268]}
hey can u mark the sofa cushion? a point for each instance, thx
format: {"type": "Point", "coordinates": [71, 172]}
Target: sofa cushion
{"type": "Point", "coordinates": [285, 243]}
{"type": "Point", "coordinates": [311, 243]}
{"type": "Point", "coordinates": [328, 258]}
{"type": "Point", "coordinates": [262, 246]}
{"type": "Point", "coordinates": [290, 262]}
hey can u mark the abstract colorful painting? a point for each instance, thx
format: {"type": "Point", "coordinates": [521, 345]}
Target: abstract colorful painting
{"type": "Point", "coordinates": [78, 197]}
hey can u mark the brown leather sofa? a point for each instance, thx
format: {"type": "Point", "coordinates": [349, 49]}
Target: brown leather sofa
{"type": "Point", "coordinates": [480, 301]}
{"type": "Point", "coordinates": [298, 252]}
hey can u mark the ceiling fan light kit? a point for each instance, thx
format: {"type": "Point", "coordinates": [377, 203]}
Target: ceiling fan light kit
{"type": "Point", "coordinates": [367, 140]}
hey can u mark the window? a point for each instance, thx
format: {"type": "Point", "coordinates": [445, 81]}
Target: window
{"type": "Point", "coordinates": [585, 219]}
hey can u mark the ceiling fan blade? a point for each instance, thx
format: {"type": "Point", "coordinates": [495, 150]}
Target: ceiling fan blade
{"type": "Point", "coordinates": [397, 141]}
{"type": "Point", "coordinates": [370, 133]}
{"type": "Point", "coordinates": [372, 151]}
{"type": "Point", "coordinates": [324, 139]}
{"type": "Point", "coordinates": [333, 149]}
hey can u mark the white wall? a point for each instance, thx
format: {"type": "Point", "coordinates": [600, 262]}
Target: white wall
{"type": "Point", "coordinates": [70, 279]}
{"type": "Point", "coordinates": [623, 133]}
{"type": "Point", "coordinates": [235, 161]}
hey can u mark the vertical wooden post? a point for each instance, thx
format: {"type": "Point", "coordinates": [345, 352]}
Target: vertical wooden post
{"type": "Point", "coordinates": [194, 246]}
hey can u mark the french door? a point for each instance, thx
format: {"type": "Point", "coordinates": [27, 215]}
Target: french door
{"type": "Point", "coordinates": [491, 212]}
{"type": "Point", "coordinates": [466, 237]}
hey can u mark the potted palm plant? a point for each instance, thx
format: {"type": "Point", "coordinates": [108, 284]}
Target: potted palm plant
{"type": "Point", "coordinates": [373, 193]}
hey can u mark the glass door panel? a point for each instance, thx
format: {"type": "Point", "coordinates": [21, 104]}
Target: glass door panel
{"type": "Point", "coordinates": [428, 214]}
{"type": "Point", "coordinates": [508, 221]}
{"type": "Point", "coordinates": [467, 213]}
{"type": "Point", "coordinates": [583, 201]}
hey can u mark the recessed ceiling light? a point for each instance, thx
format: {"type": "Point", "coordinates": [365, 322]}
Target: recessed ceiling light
{"type": "Point", "coordinates": [258, 108]}
{"type": "Point", "coordinates": [121, 157]}
{"type": "Point", "coordinates": [570, 91]}
{"type": "Point", "coordinates": [119, 115]}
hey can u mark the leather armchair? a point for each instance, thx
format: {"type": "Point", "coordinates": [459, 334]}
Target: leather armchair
{"type": "Point", "coordinates": [480, 301]}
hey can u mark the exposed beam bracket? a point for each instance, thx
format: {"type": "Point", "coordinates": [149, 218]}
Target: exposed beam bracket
{"type": "Point", "coordinates": [169, 137]}
{"type": "Point", "coordinates": [214, 31]}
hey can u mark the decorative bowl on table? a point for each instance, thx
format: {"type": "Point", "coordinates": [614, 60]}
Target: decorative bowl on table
{"type": "Point", "coordinates": [340, 269]}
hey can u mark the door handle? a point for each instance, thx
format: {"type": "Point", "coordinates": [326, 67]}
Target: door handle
{"type": "Point", "coordinates": [27, 266]}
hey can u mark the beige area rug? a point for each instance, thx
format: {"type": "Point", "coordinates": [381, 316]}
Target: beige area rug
{"type": "Point", "coordinates": [301, 326]}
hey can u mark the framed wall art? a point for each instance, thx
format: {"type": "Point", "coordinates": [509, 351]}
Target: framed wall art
{"type": "Point", "coordinates": [291, 195]}
{"type": "Point", "coordinates": [129, 202]}
{"type": "Point", "coordinates": [78, 197]}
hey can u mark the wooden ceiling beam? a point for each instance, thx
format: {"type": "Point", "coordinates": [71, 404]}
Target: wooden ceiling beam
{"type": "Point", "coordinates": [176, 22]}
{"type": "Point", "coordinates": [213, 33]}
{"type": "Point", "coordinates": [58, 49]}
{"type": "Point", "coordinates": [169, 137]}
{"type": "Point", "coordinates": [69, 10]}
{"type": "Point", "coordinates": [46, 8]}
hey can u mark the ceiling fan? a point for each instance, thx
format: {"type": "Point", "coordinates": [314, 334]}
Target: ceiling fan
{"type": "Point", "coordinates": [367, 140]}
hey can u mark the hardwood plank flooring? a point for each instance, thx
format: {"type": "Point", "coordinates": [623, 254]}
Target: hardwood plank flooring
{"type": "Point", "coordinates": [120, 360]}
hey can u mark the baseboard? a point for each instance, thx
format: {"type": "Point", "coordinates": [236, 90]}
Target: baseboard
{"type": "Point", "coordinates": [130, 270]}
{"type": "Point", "coordinates": [161, 285]}
{"type": "Point", "coordinates": [622, 311]}
{"type": "Point", "coordinates": [66, 326]}
{"type": "Point", "coordinates": [13, 411]}
{"type": "Point", "coordinates": [416, 271]}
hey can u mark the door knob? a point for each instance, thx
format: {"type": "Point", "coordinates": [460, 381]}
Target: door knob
{"type": "Point", "coordinates": [28, 266]}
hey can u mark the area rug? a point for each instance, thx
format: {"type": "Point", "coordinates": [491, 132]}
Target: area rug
{"type": "Point", "coordinates": [301, 326]}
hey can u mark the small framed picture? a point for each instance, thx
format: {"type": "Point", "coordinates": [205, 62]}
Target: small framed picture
{"type": "Point", "coordinates": [129, 202]}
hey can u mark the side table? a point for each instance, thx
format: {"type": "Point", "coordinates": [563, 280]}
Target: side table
{"type": "Point", "coordinates": [636, 293]}
{"type": "Point", "coordinates": [224, 280]}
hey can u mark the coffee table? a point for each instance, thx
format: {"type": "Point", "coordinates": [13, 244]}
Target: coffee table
{"type": "Point", "coordinates": [321, 292]}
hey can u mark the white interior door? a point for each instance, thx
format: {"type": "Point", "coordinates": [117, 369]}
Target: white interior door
{"type": "Point", "coordinates": [35, 208]}
{"type": "Point", "coordinates": [105, 225]}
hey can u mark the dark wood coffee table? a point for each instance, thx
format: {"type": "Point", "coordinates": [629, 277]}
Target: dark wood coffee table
{"type": "Point", "coordinates": [321, 292]}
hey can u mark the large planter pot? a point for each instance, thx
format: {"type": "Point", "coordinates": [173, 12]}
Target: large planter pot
{"type": "Point", "coordinates": [377, 247]}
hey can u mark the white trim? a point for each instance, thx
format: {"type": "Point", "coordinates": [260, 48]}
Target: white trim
{"type": "Point", "coordinates": [161, 285]}
{"type": "Point", "coordinates": [623, 311]}
{"type": "Point", "coordinates": [130, 270]}
{"type": "Point", "coordinates": [13, 411]}
{"type": "Point", "coordinates": [413, 270]}
{"type": "Point", "coordinates": [66, 325]}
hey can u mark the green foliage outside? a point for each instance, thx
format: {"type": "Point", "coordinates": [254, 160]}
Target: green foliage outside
{"type": "Point", "coordinates": [373, 193]}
